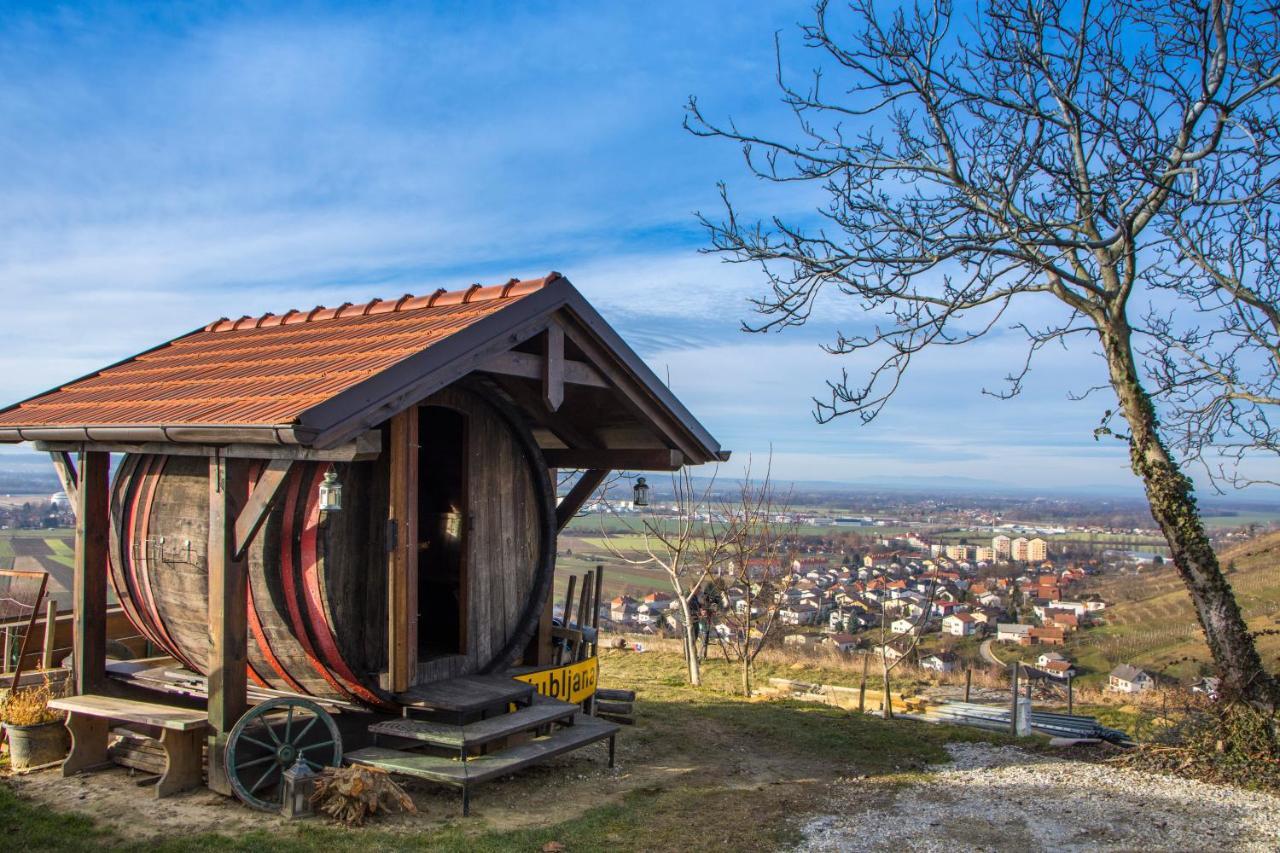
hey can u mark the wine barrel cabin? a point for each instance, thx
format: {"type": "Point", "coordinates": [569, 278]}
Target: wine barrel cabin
{"type": "Point", "coordinates": [348, 502]}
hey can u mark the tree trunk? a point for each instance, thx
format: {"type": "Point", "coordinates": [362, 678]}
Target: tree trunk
{"type": "Point", "coordinates": [1173, 506]}
{"type": "Point", "coordinates": [888, 696]}
{"type": "Point", "coordinates": [690, 645]}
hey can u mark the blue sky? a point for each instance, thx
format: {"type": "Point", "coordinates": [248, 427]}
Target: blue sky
{"type": "Point", "coordinates": [167, 165]}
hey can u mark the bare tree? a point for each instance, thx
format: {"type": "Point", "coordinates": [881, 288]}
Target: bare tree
{"type": "Point", "coordinates": [684, 546]}
{"type": "Point", "coordinates": [758, 534]}
{"type": "Point", "coordinates": [905, 640]}
{"type": "Point", "coordinates": [1066, 158]}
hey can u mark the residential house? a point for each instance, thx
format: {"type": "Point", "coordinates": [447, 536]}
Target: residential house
{"type": "Point", "coordinates": [940, 662]}
{"type": "Point", "coordinates": [1046, 637]}
{"type": "Point", "coordinates": [1129, 679]}
{"type": "Point", "coordinates": [843, 642]}
{"type": "Point", "coordinates": [1008, 632]}
{"type": "Point", "coordinates": [959, 625]}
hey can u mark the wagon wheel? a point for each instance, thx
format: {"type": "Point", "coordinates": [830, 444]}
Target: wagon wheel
{"type": "Point", "coordinates": [268, 739]}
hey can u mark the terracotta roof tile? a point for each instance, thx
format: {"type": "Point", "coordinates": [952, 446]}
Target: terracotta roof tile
{"type": "Point", "coordinates": [265, 370]}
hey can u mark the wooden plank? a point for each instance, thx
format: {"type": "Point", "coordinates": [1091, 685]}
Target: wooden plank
{"type": "Point", "coordinates": [469, 693]}
{"type": "Point", "coordinates": [543, 711]}
{"type": "Point", "coordinates": [133, 711]}
{"type": "Point", "coordinates": [50, 633]}
{"type": "Point", "coordinates": [553, 367]}
{"type": "Point", "coordinates": [579, 495]}
{"type": "Point", "coordinates": [227, 613]}
{"type": "Point", "coordinates": [448, 771]}
{"type": "Point", "coordinates": [67, 475]}
{"type": "Point", "coordinates": [525, 365]}
{"type": "Point", "coordinates": [89, 586]}
{"type": "Point", "coordinates": [612, 695]}
{"type": "Point", "coordinates": [363, 448]}
{"type": "Point", "coordinates": [264, 496]}
{"type": "Point", "coordinates": [402, 564]}
{"type": "Point", "coordinates": [618, 460]}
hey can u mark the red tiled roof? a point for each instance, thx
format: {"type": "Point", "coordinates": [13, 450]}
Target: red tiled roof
{"type": "Point", "coordinates": [268, 369]}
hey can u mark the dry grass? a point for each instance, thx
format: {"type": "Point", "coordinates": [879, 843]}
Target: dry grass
{"type": "Point", "coordinates": [29, 706]}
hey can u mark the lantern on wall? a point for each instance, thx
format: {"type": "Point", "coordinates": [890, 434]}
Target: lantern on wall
{"type": "Point", "coordinates": [330, 492]}
{"type": "Point", "coordinates": [641, 492]}
{"type": "Point", "coordinates": [297, 785]}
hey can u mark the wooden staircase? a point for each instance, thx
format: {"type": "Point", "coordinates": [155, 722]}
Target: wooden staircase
{"type": "Point", "coordinates": [459, 731]}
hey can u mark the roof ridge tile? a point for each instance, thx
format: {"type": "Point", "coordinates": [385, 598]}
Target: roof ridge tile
{"type": "Point", "coordinates": [512, 289]}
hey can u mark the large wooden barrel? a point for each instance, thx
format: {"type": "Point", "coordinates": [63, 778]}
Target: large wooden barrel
{"type": "Point", "coordinates": [317, 599]}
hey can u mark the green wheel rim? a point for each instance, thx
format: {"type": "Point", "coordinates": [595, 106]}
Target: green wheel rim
{"type": "Point", "coordinates": [269, 738]}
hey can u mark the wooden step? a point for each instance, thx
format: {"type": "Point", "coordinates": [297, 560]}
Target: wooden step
{"type": "Point", "coordinates": [610, 695]}
{"type": "Point", "coordinates": [623, 709]}
{"type": "Point", "coordinates": [451, 771]}
{"type": "Point", "coordinates": [542, 712]}
{"type": "Point", "coordinates": [468, 694]}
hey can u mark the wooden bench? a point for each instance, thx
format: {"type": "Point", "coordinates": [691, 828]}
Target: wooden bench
{"type": "Point", "coordinates": [181, 736]}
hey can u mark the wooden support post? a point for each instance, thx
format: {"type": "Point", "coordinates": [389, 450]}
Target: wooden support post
{"type": "Point", "coordinates": [584, 617]}
{"type": "Point", "coordinates": [862, 685]}
{"type": "Point", "coordinates": [968, 682]}
{"type": "Point", "coordinates": [402, 545]}
{"type": "Point", "coordinates": [228, 613]}
{"type": "Point", "coordinates": [89, 586]}
{"type": "Point", "coordinates": [67, 475]}
{"type": "Point", "coordinates": [50, 632]}
{"type": "Point", "coordinates": [1029, 682]}
{"type": "Point", "coordinates": [567, 615]}
{"type": "Point", "coordinates": [595, 611]}
{"type": "Point", "coordinates": [6, 649]}
{"type": "Point", "coordinates": [579, 495]}
{"type": "Point", "coordinates": [1013, 702]}
{"type": "Point", "coordinates": [1070, 695]}
{"type": "Point", "coordinates": [553, 368]}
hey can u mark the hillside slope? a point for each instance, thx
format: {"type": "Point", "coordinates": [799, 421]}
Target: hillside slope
{"type": "Point", "coordinates": [1152, 623]}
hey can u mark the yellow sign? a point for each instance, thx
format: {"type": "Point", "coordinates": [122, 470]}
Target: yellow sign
{"type": "Point", "coordinates": [573, 683]}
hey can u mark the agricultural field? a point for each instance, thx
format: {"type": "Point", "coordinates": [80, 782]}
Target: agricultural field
{"type": "Point", "coordinates": [1151, 622]}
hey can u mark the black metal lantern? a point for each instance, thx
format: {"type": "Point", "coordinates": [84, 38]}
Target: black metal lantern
{"type": "Point", "coordinates": [641, 492]}
{"type": "Point", "coordinates": [297, 785]}
{"type": "Point", "coordinates": [330, 492]}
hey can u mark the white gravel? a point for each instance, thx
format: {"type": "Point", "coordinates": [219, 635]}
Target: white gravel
{"type": "Point", "coordinates": [1003, 798]}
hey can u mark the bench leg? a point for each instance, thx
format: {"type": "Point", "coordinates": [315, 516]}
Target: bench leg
{"type": "Point", "coordinates": [613, 741]}
{"type": "Point", "coordinates": [182, 752]}
{"type": "Point", "coordinates": [466, 801]}
{"type": "Point", "coordinates": [88, 743]}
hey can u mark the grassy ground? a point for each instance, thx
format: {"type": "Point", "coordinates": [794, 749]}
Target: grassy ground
{"type": "Point", "coordinates": [702, 768]}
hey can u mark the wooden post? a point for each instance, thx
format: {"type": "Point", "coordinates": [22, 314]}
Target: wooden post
{"type": "Point", "coordinates": [595, 613]}
{"type": "Point", "coordinates": [402, 546]}
{"type": "Point", "coordinates": [862, 686]}
{"type": "Point", "coordinates": [567, 615]}
{"type": "Point", "coordinates": [584, 617]}
{"type": "Point", "coordinates": [7, 651]}
{"type": "Point", "coordinates": [228, 613]}
{"type": "Point", "coordinates": [50, 631]}
{"type": "Point", "coordinates": [1013, 701]}
{"type": "Point", "coordinates": [1070, 695]}
{"type": "Point", "coordinates": [553, 368]}
{"type": "Point", "coordinates": [89, 586]}
{"type": "Point", "coordinates": [1028, 687]}
{"type": "Point", "coordinates": [968, 682]}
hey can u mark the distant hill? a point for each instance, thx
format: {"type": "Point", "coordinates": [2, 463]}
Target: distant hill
{"type": "Point", "coordinates": [1152, 623]}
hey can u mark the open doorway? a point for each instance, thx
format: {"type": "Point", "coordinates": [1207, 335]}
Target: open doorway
{"type": "Point", "coordinates": [442, 532]}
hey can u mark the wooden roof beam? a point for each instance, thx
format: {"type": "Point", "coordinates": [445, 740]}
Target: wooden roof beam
{"type": "Point", "coordinates": [617, 460]}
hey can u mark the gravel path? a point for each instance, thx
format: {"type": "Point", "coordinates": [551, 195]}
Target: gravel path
{"type": "Point", "coordinates": [1003, 798]}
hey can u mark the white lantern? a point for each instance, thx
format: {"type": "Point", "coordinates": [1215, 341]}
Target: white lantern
{"type": "Point", "coordinates": [330, 492]}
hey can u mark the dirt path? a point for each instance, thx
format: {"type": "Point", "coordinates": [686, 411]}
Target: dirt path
{"type": "Point", "coordinates": [1002, 798]}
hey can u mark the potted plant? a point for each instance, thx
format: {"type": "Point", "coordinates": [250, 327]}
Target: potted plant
{"type": "Point", "coordinates": [35, 731]}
